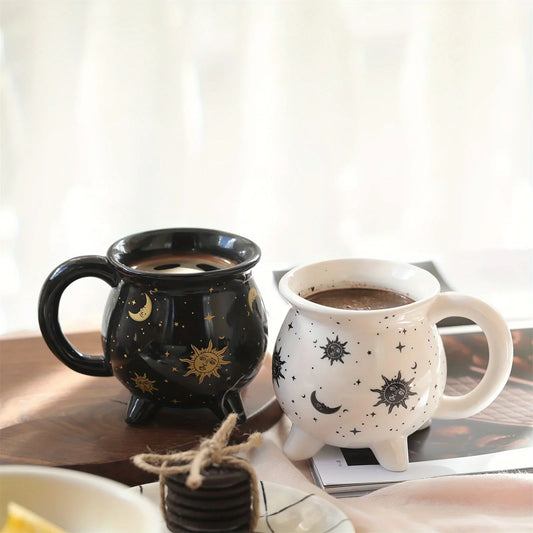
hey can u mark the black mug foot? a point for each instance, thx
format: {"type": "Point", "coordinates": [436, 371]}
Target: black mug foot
{"type": "Point", "coordinates": [231, 402]}
{"type": "Point", "coordinates": [140, 410]}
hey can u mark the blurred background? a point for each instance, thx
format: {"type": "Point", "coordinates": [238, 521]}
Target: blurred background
{"type": "Point", "coordinates": [317, 128]}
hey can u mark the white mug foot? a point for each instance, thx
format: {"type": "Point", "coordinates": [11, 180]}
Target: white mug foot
{"type": "Point", "coordinates": [300, 445]}
{"type": "Point", "coordinates": [425, 425]}
{"type": "Point", "coordinates": [392, 454]}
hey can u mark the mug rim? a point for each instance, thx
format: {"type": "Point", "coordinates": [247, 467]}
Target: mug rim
{"type": "Point", "coordinates": [247, 257]}
{"type": "Point", "coordinates": [301, 302]}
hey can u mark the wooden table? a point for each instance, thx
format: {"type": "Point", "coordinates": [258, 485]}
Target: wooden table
{"type": "Point", "coordinates": [51, 415]}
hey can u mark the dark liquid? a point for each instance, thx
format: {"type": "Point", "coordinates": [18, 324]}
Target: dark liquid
{"type": "Point", "coordinates": [182, 263]}
{"type": "Point", "coordinates": [360, 298]}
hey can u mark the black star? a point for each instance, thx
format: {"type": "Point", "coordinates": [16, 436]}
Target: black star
{"type": "Point", "coordinates": [358, 382]}
{"type": "Point", "coordinates": [400, 347]}
{"type": "Point", "coordinates": [355, 431]}
{"type": "Point", "coordinates": [290, 325]}
{"type": "Point", "coordinates": [372, 414]}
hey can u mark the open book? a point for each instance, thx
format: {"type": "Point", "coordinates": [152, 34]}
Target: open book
{"type": "Point", "coordinates": [500, 438]}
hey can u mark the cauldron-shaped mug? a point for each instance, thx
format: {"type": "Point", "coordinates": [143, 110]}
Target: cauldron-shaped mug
{"type": "Point", "coordinates": [184, 324]}
{"type": "Point", "coordinates": [369, 376]}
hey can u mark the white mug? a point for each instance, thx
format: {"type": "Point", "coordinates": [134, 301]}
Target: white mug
{"type": "Point", "coordinates": [370, 378]}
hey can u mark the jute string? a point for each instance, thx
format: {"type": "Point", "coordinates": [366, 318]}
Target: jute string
{"type": "Point", "coordinates": [212, 451]}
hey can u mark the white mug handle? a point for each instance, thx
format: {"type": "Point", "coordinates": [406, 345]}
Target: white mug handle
{"type": "Point", "coordinates": [500, 345]}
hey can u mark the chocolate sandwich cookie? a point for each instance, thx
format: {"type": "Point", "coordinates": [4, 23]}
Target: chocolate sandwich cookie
{"type": "Point", "coordinates": [241, 498]}
{"type": "Point", "coordinates": [221, 504]}
{"type": "Point", "coordinates": [181, 524]}
{"type": "Point", "coordinates": [211, 485]}
{"type": "Point", "coordinates": [236, 511]}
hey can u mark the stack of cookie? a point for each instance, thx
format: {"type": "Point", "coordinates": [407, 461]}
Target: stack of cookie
{"type": "Point", "coordinates": [209, 489]}
{"type": "Point", "coordinates": [222, 503]}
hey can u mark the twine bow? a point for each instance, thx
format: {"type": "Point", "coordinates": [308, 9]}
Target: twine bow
{"type": "Point", "coordinates": [212, 451]}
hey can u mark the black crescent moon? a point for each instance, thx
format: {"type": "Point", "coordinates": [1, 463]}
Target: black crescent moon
{"type": "Point", "coordinates": [322, 407]}
{"type": "Point", "coordinates": [414, 367]}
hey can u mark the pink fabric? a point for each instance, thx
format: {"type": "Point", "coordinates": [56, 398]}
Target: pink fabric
{"type": "Point", "coordinates": [454, 504]}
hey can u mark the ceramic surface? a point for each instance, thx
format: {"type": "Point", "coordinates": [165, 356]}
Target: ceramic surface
{"type": "Point", "coordinates": [181, 337]}
{"type": "Point", "coordinates": [285, 510]}
{"type": "Point", "coordinates": [368, 379]}
{"type": "Point", "coordinates": [76, 501]}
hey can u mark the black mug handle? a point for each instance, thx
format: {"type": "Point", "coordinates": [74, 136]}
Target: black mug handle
{"type": "Point", "coordinates": [51, 292]}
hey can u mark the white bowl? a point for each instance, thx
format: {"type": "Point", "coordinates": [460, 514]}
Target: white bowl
{"type": "Point", "coordinates": [76, 501]}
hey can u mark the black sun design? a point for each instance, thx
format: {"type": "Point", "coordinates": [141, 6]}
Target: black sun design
{"type": "Point", "coordinates": [205, 362]}
{"type": "Point", "coordinates": [277, 364]}
{"type": "Point", "coordinates": [394, 392]}
{"type": "Point", "coordinates": [334, 350]}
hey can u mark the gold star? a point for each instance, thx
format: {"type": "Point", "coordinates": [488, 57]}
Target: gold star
{"type": "Point", "coordinates": [211, 289]}
{"type": "Point", "coordinates": [133, 302]}
{"type": "Point", "coordinates": [174, 369]}
{"type": "Point", "coordinates": [167, 353]}
{"type": "Point", "coordinates": [209, 317]}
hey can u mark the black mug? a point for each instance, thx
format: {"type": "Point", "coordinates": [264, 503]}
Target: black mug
{"type": "Point", "coordinates": [184, 325]}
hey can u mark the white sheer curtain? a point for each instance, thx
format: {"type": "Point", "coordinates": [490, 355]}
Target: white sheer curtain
{"type": "Point", "coordinates": [319, 129]}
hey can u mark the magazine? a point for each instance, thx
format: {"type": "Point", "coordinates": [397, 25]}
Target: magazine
{"type": "Point", "coordinates": [500, 438]}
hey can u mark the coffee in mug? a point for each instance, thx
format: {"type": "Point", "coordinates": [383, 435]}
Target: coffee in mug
{"type": "Point", "coordinates": [361, 298]}
{"type": "Point", "coordinates": [181, 263]}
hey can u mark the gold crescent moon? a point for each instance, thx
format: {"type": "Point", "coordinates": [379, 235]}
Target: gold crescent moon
{"type": "Point", "coordinates": [144, 312]}
{"type": "Point", "coordinates": [252, 295]}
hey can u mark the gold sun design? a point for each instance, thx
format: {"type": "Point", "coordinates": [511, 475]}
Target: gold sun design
{"type": "Point", "coordinates": [143, 383]}
{"type": "Point", "coordinates": [205, 362]}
